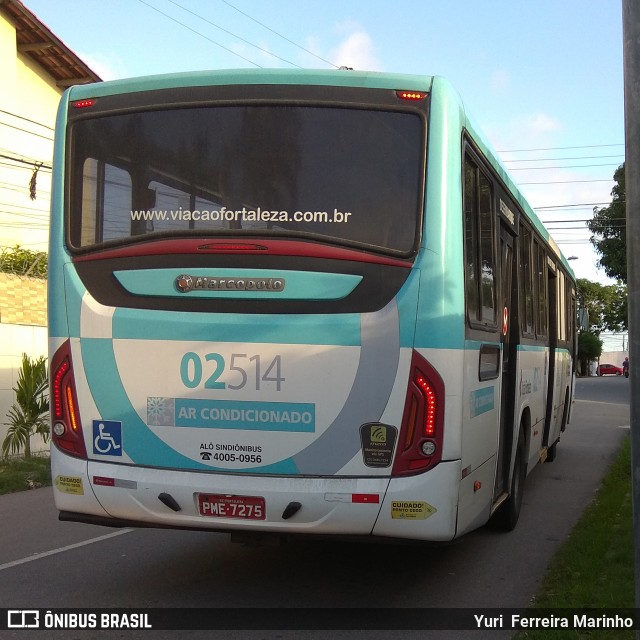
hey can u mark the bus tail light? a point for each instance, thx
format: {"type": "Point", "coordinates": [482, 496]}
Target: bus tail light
{"type": "Point", "coordinates": [421, 433]}
{"type": "Point", "coordinates": [66, 431]}
{"type": "Point", "coordinates": [83, 104]}
{"type": "Point", "coordinates": [411, 95]}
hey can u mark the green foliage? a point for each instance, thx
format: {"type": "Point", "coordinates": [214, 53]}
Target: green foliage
{"type": "Point", "coordinates": [23, 262]}
{"type": "Point", "coordinates": [589, 349]}
{"type": "Point", "coordinates": [19, 474]}
{"type": "Point", "coordinates": [609, 229]}
{"type": "Point", "coordinates": [606, 305]}
{"type": "Point", "coordinates": [30, 413]}
{"type": "Point", "coordinates": [594, 568]}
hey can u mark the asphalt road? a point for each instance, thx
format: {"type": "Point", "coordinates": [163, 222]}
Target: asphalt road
{"type": "Point", "coordinates": [45, 563]}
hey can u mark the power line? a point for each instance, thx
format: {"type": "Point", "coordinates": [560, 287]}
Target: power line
{"type": "Point", "coordinates": [618, 155]}
{"type": "Point", "coordinates": [582, 204]}
{"type": "Point", "coordinates": [295, 44]}
{"type": "Point", "coordinates": [31, 163]}
{"type": "Point", "coordinates": [15, 115]}
{"type": "Point", "coordinates": [569, 166]}
{"type": "Point", "coordinates": [578, 220]}
{"type": "Point", "coordinates": [586, 146]}
{"type": "Point", "coordinates": [567, 181]}
{"type": "Point", "coordinates": [166, 15]}
{"type": "Point", "coordinates": [33, 133]}
{"type": "Point", "coordinates": [213, 24]}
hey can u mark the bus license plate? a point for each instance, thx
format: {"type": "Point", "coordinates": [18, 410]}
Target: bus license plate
{"type": "Point", "coordinates": [224, 506]}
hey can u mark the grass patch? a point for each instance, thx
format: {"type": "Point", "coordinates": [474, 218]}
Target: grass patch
{"type": "Point", "coordinates": [595, 566]}
{"type": "Point", "coordinates": [19, 474]}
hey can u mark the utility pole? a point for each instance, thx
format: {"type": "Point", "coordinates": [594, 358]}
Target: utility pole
{"type": "Point", "coordinates": [631, 49]}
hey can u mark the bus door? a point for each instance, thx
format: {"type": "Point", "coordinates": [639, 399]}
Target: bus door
{"type": "Point", "coordinates": [553, 344]}
{"type": "Point", "coordinates": [508, 337]}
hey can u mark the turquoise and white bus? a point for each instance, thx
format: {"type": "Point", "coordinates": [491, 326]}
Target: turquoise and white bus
{"type": "Point", "coordinates": [297, 302]}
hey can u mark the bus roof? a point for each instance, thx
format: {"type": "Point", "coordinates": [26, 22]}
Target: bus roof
{"type": "Point", "coordinates": [328, 77]}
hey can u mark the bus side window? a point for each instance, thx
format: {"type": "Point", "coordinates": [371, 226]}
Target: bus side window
{"type": "Point", "coordinates": [470, 240]}
{"type": "Point", "coordinates": [541, 288]}
{"type": "Point", "coordinates": [480, 247]}
{"type": "Point", "coordinates": [526, 282]}
{"type": "Point", "coordinates": [106, 202]}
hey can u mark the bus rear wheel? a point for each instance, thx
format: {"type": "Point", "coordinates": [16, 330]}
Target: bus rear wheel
{"type": "Point", "coordinates": [508, 514]}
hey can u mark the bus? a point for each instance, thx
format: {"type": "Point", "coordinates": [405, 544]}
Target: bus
{"type": "Point", "coordinates": [297, 302]}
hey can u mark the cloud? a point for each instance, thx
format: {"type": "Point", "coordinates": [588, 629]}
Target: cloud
{"type": "Point", "coordinates": [550, 179]}
{"type": "Point", "coordinates": [107, 67]}
{"type": "Point", "coordinates": [500, 81]}
{"type": "Point", "coordinates": [357, 50]}
{"type": "Point", "coordinates": [528, 130]}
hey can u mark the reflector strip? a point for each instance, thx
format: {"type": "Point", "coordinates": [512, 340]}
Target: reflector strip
{"type": "Point", "coordinates": [104, 482]}
{"type": "Point", "coordinates": [372, 498]}
{"type": "Point", "coordinates": [359, 498]}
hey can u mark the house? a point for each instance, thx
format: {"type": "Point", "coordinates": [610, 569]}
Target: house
{"type": "Point", "coordinates": [35, 68]}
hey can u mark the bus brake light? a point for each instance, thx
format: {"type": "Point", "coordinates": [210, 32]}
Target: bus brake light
{"type": "Point", "coordinates": [67, 430]}
{"type": "Point", "coordinates": [421, 433]}
{"type": "Point", "coordinates": [83, 104]}
{"type": "Point", "coordinates": [411, 95]}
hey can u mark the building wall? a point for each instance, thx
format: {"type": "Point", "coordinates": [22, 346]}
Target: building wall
{"type": "Point", "coordinates": [28, 105]}
{"type": "Point", "coordinates": [23, 329]}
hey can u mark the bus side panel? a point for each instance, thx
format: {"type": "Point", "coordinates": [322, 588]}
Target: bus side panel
{"type": "Point", "coordinates": [480, 420]}
{"type": "Point", "coordinates": [531, 392]}
{"type": "Point", "coordinates": [561, 393]}
{"type": "Point", "coordinates": [475, 497]}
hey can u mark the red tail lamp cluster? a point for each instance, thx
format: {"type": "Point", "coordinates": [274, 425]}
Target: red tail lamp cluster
{"type": "Point", "coordinates": [66, 431]}
{"type": "Point", "coordinates": [421, 433]}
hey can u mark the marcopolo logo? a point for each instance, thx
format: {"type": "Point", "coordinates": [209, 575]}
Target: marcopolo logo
{"type": "Point", "coordinates": [185, 283]}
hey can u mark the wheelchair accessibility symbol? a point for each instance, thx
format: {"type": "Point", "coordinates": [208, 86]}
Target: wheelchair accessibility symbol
{"type": "Point", "coordinates": [107, 437]}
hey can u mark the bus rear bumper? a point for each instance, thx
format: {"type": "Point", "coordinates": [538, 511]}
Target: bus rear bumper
{"type": "Point", "coordinates": [127, 496]}
{"type": "Point", "coordinates": [419, 507]}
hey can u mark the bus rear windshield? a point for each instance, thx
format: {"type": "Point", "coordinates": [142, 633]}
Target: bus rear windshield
{"type": "Point", "coordinates": [344, 175]}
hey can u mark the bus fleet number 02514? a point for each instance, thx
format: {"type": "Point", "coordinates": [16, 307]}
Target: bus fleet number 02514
{"type": "Point", "coordinates": [244, 369]}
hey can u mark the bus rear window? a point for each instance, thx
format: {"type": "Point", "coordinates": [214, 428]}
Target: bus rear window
{"type": "Point", "coordinates": [344, 175]}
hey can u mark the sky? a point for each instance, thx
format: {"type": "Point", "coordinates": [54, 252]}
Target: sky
{"type": "Point", "coordinates": [542, 79]}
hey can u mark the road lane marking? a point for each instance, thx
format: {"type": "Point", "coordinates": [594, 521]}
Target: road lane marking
{"type": "Point", "coordinates": [44, 554]}
{"type": "Point", "coordinates": [621, 404]}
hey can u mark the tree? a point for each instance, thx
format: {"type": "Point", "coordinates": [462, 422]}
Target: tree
{"type": "Point", "coordinates": [30, 413]}
{"type": "Point", "coordinates": [605, 304]}
{"type": "Point", "coordinates": [589, 349]}
{"type": "Point", "coordinates": [609, 229]}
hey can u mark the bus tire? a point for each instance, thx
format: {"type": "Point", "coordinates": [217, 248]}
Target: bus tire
{"type": "Point", "coordinates": [509, 512]}
{"type": "Point", "coordinates": [552, 452]}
